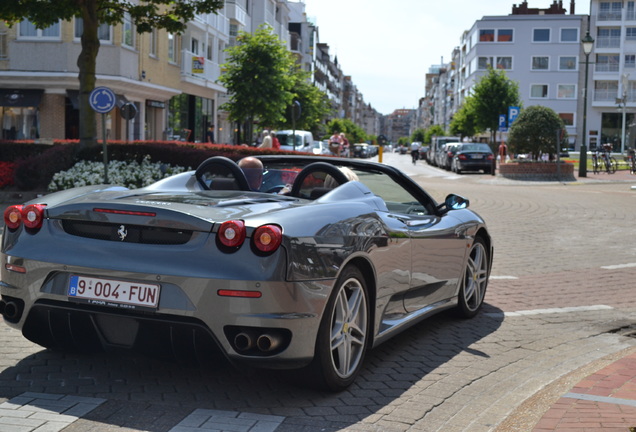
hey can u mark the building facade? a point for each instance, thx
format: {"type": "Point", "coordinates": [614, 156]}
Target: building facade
{"type": "Point", "coordinates": [612, 75]}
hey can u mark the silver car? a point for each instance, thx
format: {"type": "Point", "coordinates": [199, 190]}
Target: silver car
{"type": "Point", "coordinates": [330, 257]}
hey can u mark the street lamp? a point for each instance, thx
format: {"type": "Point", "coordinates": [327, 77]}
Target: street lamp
{"type": "Point", "coordinates": [588, 45]}
{"type": "Point", "coordinates": [622, 103]}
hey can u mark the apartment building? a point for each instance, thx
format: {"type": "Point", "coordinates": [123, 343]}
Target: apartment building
{"type": "Point", "coordinates": [612, 75]}
{"type": "Point", "coordinates": [172, 80]}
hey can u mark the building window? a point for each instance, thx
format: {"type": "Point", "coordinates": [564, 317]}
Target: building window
{"type": "Point", "coordinates": [630, 61]}
{"type": "Point", "coordinates": [539, 91]}
{"type": "Point", "coordinates": [541, 35]}
{"type": "Point", "coordinates": [568, 118]}
{"type": "Point", "coordinates": [605, 90]}
{"type": "Point", "coordinates": [504, 35]}
{"type": "Point", "coordinates": [608, 38]}
{"type": "Point", "coordinates": [486, 35]}
{"type": "Point", "coordinates": [233, 30]}
{"type": "Point", "coordinates": [630, 33]}
{"type": "Point", "coordinates": [607, 63]}
{"type": "Point", "coordinates": [540, 63]}
{"type": "Point", "coordinates": [567, 63]}
{"type": "Point", "coordinates": [4, 45]}
{"type": "Point", "coordinates": [566, 91]}
{"type": "Point", "coordinates": [194, 45]}
{"type": "Point", "coordinates": [631, 14]}
{"type": "Point", "coordinates": [173, 48]}
{"type": "Point", "coordinates": [152, 43]}
{"type": "Point", "coordinates": [28, 30]}
{"type": "Point", "coordinates": [569, 35]}
{"type": "Point", "coordinates": [610, 11]}
{"type": "Point", "coordinates": [484, 63]}
{"type": "Point", "coordinates": [128, 33]}
{"type": "Point", "coordinates": [103, 31]}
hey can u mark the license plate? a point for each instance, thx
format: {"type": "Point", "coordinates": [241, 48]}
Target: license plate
{"type": "Point", "coordinates": [113, 293]}
{"type": "Point", "coordinates": [478, 156]}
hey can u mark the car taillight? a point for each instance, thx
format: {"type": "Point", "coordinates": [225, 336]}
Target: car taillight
{"type": "Point", "coordinates": [490, 157]}
{"type": "Point", "coordinates": [267, 238]}
{"type": "Point", "coordinates": [462, 157]}
{"type": "Point", "coordinates": [13, 216]}
{"type": "Point", "coordinates": [33, 216]}
{"type": "Point", "coordinates": [232, 233]}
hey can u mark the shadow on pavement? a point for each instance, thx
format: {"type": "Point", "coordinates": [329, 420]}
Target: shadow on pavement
{"type": "Point", "coordinates": [154, 395]}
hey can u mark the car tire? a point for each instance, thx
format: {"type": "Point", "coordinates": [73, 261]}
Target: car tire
{"type": "Point", "coordinates": [472, 289]}
{"type": "Point", "coordinates": [343, 336]}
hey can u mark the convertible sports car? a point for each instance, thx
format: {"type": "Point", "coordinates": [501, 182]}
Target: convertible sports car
{"type": "Point", "coordinates": [326, 259]}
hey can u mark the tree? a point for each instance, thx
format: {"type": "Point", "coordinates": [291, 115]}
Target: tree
{"type": "Point", "coordinates": [171, 15]}
{"type": "Point", "coordinates": [464, 121]}
{"type": "Point", "coordinates": [314, 104]}
{"type": "Point", "coordinates": [535, 131]}
{"type": "Point", "coordinates": [418, 135]}
{"type": "Point", "coordinates": [435, 130]}
{"type": "Point", "coordinates": [492, 95]}
{"type": "Point", "coordinates": [353, 132]}
{"type": "Point", "coordinates": [260, 78]}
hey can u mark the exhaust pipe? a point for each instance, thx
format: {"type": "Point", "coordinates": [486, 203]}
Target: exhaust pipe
{"type": "Point", "coordinates": [10, 310]}
{"type": "Point", "coordinates": [243, 341]}
{"type": "Point", "coordinates": [267, 342]}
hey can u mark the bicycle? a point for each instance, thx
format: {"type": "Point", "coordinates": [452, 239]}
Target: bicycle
{"type": "Point", "coordinates": [631, 160]}
{"type": "Point", "coordinates": [603, 158]}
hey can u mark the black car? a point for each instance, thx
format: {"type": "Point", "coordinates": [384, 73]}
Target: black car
{"type": "Point", "coordinates": [473, 157]}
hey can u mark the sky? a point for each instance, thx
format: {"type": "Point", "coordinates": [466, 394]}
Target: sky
{"type": "Point", "coordinates": [387, 46]}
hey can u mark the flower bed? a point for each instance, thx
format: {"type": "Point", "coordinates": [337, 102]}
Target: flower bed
{"type": "Point", "coordinates": [538, 171]}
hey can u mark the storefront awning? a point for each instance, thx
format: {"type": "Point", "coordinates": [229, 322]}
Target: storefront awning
{"type": "Point", "coordinates": [20, 98]}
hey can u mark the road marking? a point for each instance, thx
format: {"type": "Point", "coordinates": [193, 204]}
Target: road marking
{"type": "Point", "coordinates": [551, 311]}
{"type": "Point", "coordinates": [594, 398]}
{"type": "Point", "coordinates": [44, 412]}
{"type": "Point", "coordinates": [618, 266]}
{"type": "Point", "coordinates": [503, 277]}
{"type": "Point", "coordinates": [206, 420]}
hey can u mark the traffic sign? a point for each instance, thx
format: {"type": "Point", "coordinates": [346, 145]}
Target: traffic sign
{"type": "Point", "coordinates": [128, 111]}
{"type": "Point", "coordinates": [102, 100]}
{"type": "Point", "coordinates": [502, 123]}
{"type": "Point", "coordinates": [513, 112]}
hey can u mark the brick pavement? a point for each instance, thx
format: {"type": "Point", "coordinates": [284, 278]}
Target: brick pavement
{"type": "Point", "coordinates": [557, 246]}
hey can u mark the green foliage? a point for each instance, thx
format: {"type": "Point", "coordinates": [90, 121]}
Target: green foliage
{"type": "Point", "coordinates": [314, 104]}
{"type": "Point", "coordinates": [353, 132]}
{"type": "Point", "coordinates": [418, 135]}
{"type": "Point", "coordinates": [492, 95]}
{"type": "Point", "coordinates": [259, 76]}
{"type": "Point", "coordinates": [435, 130]}
{"type": "Point", "coordinates": [403, 141]}
{"type": "Point", "coordinates": [535, 131]}
{"type": "Point", "coordinates": [147, 15]}
{"type": "Point", "coordinates": [464, 123]}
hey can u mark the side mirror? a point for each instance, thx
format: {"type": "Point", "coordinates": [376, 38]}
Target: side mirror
{"type": "Point", "coordinates": [456, 202]}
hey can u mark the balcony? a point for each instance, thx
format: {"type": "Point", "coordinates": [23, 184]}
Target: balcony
{"type": "Point", "coordinates": [609, 16]}
{"type": "Point", "coordinates": [608, 42]}
{"type": "Point", "coordinates": [606, 67]}
{"type": "Point", "coordinates": [605, 95]}
{"type": "Point", "coordinates": [236, 13]}
{"type": "Point", "coordinates": [199, 68]}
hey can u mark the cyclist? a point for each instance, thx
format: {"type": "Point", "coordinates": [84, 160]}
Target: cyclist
{"type": "Point", "coordinates": [415, 151]}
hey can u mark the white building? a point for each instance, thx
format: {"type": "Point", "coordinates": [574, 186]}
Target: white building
{"type": "Point", "coordinates": [612, 73]}
{"type": "Point", "coordinates": [541, 52]}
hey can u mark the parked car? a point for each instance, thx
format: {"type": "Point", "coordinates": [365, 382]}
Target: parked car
{"type": "Point", "coordinates": [446, 155]}
{"type": "Point", "coordinates": [303, 142]}
{"type": "Point", "coordinates": [473, 157]}
{"type": "Point", "coordinates": [321, 148]}
{"type": "Point", "coordinates": [424, 152]}
{"type": "Point", "coordinates": [361, 150]}
{"type": "Point", "coordinates": [199, 262]}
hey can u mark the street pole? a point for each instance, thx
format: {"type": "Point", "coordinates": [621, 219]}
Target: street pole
{"type": "Point", "coordinates": [588, 45]}
{"type": "Point", "coordinates": [624, 83]}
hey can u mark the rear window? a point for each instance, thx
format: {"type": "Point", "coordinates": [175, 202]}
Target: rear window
{"type": "Point", "coordinates": [475, 147]}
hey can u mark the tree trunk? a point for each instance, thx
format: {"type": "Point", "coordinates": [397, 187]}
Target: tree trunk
{"type": "Point", "coordinates": [86, 62]}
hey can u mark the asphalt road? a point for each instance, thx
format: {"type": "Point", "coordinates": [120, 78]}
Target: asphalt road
{"type": "Point", "coordinates": [560, 296]}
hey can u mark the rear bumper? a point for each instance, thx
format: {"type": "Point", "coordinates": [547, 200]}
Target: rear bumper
{"type": "Point", "coordinates": [191, 319]}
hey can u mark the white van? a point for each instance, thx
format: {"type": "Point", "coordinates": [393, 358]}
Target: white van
{"type": "Point", "coordinates": [304, 140]}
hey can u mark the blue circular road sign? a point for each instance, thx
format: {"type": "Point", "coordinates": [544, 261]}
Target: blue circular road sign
{"type": "Point", "coordinates": [102, 100]}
